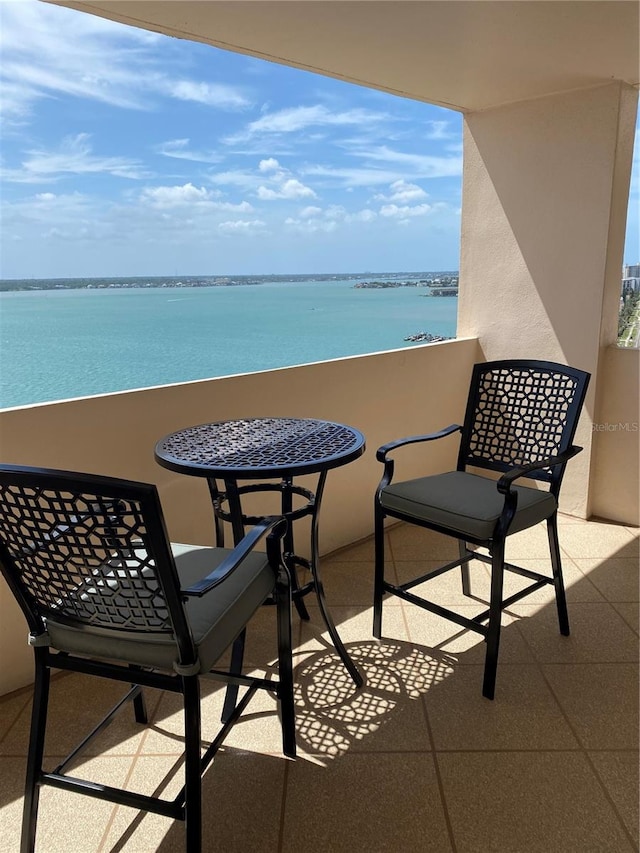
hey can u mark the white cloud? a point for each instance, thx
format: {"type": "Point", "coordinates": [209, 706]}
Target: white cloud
{"type": "Point", "coordinates": [365, 215]}
{"type": "Point", "coordinates": [288, 189]}
{"type": "Point", "coordinates": [240, 207]}
{"type": "Point", "coordinates": [172, 196]}
{"type": "Point", "coordinates": [393, 211]}
{"type": "Point", "coordinates": [349, 177]}
{"type": "Point", "coordinates": [236, 177]}
{"type": "Point", "coordinates": [211, 94]}
{"type": "Point", "coordinates": [48, 51]}
{"type": "Point", "coordinates": [335, 211]}
{"type": "Point", "coordinates": [17, 99]}
{"type": "Point", "coordinates": [313, 219]}
{"type": "Point", "coordinates": [299, 118]}
{"type": "Point", "coordinates": [51, 50]}
{"type": "Point", "coordinates": [180, 150]}
{"type": "Point", "coordinates": [75, 157]}
{"type": "Point", "coordinates": [269, 165]}
{"type": "Point", "coordinates": [311, 226]}
{"type": "Point", "coordinates": [296, 119]}
{"type": "Point", "coordinates": [242, 226]}
{"type": "Point", "coordinates": [179, 196]}
{"type": "Point", "coordinates": [309, 212]}
{"type": "Point", "coordinates": [439, 130]}
{"type": "Point", "coordinates": [401, 191]}
{"type": "Point", "coordinates": [270, 182]}
{"type": "Point", "coordinates": [44, 210]}
{"type": "Point", "coordinates": [397, 168]}
{"type": "Point", "coordinates": [422, 165]}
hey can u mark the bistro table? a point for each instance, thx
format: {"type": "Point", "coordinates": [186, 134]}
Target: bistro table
{"type": "Point", "coordinates": [266, 449]}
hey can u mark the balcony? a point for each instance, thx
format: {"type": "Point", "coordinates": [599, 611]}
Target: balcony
{"type": "Point", "coordinates": [551, 764]}
{"type": "Point", "coordinates": [416, 759]}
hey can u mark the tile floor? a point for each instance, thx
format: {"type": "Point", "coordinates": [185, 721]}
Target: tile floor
{"type": "Point", "coordinates": [416, 760]}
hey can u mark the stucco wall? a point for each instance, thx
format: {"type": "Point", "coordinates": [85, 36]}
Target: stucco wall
{"type": "Point", "coordinates": [616, 438]}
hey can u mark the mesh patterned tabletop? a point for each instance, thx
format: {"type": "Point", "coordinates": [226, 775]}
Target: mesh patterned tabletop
{"type": "Point", "coordinates": [260, 447]}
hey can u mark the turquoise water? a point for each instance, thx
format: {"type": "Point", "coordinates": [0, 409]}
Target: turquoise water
{"type": "Point", "coordinates": [59, 344]}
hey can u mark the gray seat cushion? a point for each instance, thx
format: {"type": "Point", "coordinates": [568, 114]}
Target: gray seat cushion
{"type": "Point", "coordinates": [215, 619]}
{"type": "Point", "coordinates": [466, 504]}
{"type": "Point", "coordinates": [218, 617]}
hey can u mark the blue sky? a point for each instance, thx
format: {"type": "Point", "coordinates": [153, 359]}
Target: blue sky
{"type": "Point", "coordinates": [130, 153]}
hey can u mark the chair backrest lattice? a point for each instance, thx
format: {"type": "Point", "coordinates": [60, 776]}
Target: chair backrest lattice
{"type": "Point", "coordinates": [521, 412]}
{"type": "Point", "coordinates": [81, 552]}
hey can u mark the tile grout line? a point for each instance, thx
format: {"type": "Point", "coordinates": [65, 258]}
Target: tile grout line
{"type": "Point", "coordinates": [610, 799]}
{"type": "Point", "coordinates": [283, 806]}
{"type": "Point", "coordinates": [582, 747]}
{"type": "Point", "coordinates": [436, 765]}
{"type": "Point", "coordinates": [14, 722]}
{"type": "Point", "coordinates": [127, 779]}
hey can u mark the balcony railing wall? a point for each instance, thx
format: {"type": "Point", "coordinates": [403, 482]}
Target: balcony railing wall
{"type": "Point", "coordinates": [385, 395]}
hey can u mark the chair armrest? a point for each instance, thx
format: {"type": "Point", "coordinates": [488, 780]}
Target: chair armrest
{"type": "Point", "coordinates": [274, 525]}
{"type": "Point", "coordinates": [504, 483]}
{"type": "Point", "coordinates": [381, 454]}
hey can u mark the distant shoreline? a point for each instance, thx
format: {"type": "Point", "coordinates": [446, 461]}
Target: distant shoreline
{"type": "Point", "coordinates": [395, 279]}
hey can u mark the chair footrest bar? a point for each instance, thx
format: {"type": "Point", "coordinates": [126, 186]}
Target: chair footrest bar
{"type": "Point", "coordinates": [102, 725]}
{"type": "Point", "coordinates": [517, 570]}
{"type": "Point", "coordinates": [507, 602]}
{"type": "Point", "coordinates": [295, 559]}
{"type": "Point", "coordinates": [241, 680]}
{"type": "Point", "coordinates": [527, 573]}
{"type": "Point", "coordinates": [303, 590]}
{"type": "Point", "coordinates": [216, 743]}
{"type": "Point", "coordinates": [142, 802]}
{"type": "Point", "coordinates": [435, 572]}
{"type": "Point", "coordinates": [471, 624]}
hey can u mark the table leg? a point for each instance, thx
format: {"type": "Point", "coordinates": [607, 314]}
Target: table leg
{"type": "Point", "coordinates": [319, 588]}
{"type": "Point", "coordinates": [289, 549]}
{"type": "Point", "coordinates": [215, 501]}
{"type": "Point", "coordinates": [237, 650]}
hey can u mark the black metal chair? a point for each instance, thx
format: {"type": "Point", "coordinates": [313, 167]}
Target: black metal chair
{"type": "Point", "coordinates": [520, 420]}
{"type": "Point", "coordinates": [105, 594]}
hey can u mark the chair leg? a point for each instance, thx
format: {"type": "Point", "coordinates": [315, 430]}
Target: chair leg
{"type": "Point", "coordinates": [378, 584]}
{"type": "Point", "coordinates": [285, 664]}
{"type": "Point", "coordinates": [237, 657]}
{"type": "Point", "coordinates": [558, 582]}
{"type": "Point", "coordinates": [495, 618]}
{"type": "Point", "coordinates": [140, 709]}
{"type": "Point", "coordinates": [192, 771]}
{"type": "Point", "coordinates": [139, 703]}
{"type": "Point", "coordinates": [464, 568]}
{"type": "Point", "coordinates": [36, 752]}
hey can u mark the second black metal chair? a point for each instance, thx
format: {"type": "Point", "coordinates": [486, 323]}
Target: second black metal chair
{"type": "Point", "coordinates": [520, 421]}
{"type": "Point", "coordinates": [105, 594]}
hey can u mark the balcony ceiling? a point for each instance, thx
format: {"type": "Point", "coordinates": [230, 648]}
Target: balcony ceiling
{"type": "Point", "coordinates": [464, 55]}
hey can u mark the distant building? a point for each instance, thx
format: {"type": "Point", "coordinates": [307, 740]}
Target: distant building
{"type": "Point", "coordinates": [631, 284]}
{"type": "Point", "coordinates": [631, 271]}
{"type": "Point", "coordinates": [630, 280]}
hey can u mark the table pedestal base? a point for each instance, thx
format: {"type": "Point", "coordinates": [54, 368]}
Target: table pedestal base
{"type": "Point", "coordinates": [227, 505]}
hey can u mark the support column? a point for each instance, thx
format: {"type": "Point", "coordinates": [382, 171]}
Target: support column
{"type": "Point", "coordinates": [545, 196]}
